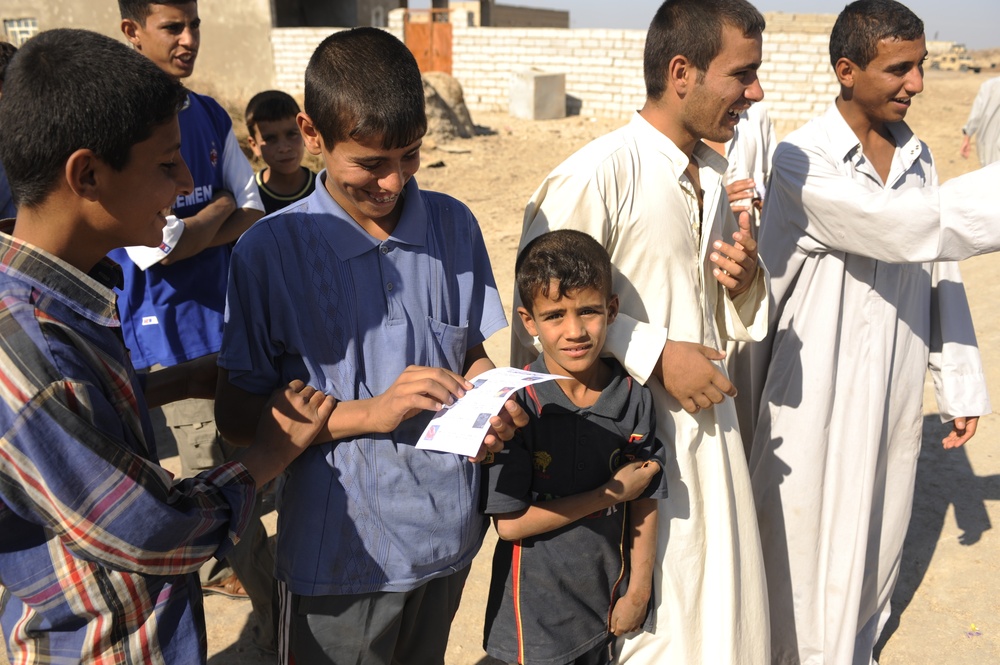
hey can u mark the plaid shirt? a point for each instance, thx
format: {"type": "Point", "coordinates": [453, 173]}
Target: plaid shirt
{"type": "Point", "coordinates": [97, 543]}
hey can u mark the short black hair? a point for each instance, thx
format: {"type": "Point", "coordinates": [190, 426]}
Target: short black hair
{"type": "Point", "coordinates": [863, 24]}
{"type": "Point", "coordinates": [364, 83]}
{"type": "Point", "coordinates": [139, 10]}
{"type": "Point", "coordinates": [73, 89]}
{"type": "Point", "coordinates": [7, 51]}
{"type": "Point", "coordinates": [269, 106]}
{"type": "Point", "coordinates": [573, 258]}
{"type": "Point", "coordinates": [693, 29]}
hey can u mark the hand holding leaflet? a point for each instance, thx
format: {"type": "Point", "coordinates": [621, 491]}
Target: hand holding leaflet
{"type": "Point", "coordinates": [461, 427]}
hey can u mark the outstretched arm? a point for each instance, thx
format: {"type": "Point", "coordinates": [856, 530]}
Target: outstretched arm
{"type": "Point", "coordinates": [291, 419]}
{"type": "Point", "coordinates": [416, 389]}
{"type": "Point", "coordinates": [192, 379]}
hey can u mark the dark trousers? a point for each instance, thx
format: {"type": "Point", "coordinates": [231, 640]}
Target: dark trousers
{"type": "Point", "coordinates": [383, 628]}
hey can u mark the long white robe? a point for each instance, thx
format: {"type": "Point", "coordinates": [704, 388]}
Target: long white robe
{"type": "Point", "coordinates": [749, 154]}
{"type": "Point", "coordinates": [858, 316]}
{"type": "Point", "coordinates": [984, 121]}
{"type": "Point", "coordinates": [628, 190]}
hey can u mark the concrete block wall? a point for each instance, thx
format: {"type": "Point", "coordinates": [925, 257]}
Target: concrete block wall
{"type": "Point", "coordinates": [797, 77]}
{"type": "Point", "coordinates": [292, 48]}
{"type": "Point", "coordinates": [603, 68]}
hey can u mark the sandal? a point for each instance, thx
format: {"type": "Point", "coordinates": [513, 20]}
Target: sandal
{"type": "Point", "coordinates": [231, 587]}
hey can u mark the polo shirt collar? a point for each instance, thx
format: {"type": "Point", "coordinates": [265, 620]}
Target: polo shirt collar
{"type": "Point", "coordinates": [89, 295]}
{"type": "Point", "coordinates": [346, 237]}
{"type": "Point", "coordinates": [611, 403]}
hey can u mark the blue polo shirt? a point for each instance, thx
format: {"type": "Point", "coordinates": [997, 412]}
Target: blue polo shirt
{"type": "Point", "coordinates": [312, 296]}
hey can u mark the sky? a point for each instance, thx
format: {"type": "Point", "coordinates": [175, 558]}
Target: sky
{"type": "Point", "coordinates": [974, 22]}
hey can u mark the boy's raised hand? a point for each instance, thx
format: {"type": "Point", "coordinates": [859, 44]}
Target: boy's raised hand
{"type": "Point", "coordinates": [736, 264]}
{"type": "Point", "coordinates": [631, 479]}
{"type": "Point", "coordinates": [416, 389]}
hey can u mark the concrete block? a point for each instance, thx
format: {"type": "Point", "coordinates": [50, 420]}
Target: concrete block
{"type": "Point", "coordinates": [537, 95]}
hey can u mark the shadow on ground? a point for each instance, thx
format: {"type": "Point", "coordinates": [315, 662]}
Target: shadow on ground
{"type": "Point", "coordinates": [944, 478]}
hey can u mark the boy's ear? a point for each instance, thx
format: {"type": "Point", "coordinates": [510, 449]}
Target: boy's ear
{"type": "Point", "coordinates": [310, 135]}
{"type": "Point", "coordinates": [131, 31]}
{"type": "Point", "coordinates": [81, 173]}
{"type": "Point", "coordinates": [612, 308]}
{"type": "Point", "coordinates": [528, 320]}
{"type": "Point", "coordinates": [252, 143]}
{"type": "Point", "coordinates": [845, 70]}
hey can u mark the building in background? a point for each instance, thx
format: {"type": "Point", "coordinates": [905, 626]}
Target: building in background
{"type": "Point", "coordinates": [343, 14]}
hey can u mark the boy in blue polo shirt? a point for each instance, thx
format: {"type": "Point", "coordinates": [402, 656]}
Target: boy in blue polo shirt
{"type": "Point", "coordinates": [574, 494]}
{"type": "Point", "coordinates": [382, 294]}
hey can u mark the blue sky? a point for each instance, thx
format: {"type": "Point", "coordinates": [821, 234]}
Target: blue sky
{"type": "Point", "coordinates": [975, 22]}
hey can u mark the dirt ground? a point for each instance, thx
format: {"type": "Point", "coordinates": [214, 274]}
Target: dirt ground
{"type": "Point", "coordinates": [946, 603]}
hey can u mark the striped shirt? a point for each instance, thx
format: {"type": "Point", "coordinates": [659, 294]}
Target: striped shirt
{"type": "Point", "coordinates": [97, 542]}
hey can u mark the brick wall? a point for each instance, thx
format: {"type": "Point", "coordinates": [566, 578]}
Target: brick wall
{"type": "Point", "coordinates": [603, 67]}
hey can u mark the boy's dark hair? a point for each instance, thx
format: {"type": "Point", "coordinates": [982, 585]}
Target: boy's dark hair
{"type": "Point", "coordinates": [364, 83]}
{"type": "Point", "coordinates": [269, 106]}
{"type": "Point", "coordinates": [72, 89]}
{"type": "Point", "coordinates": [692, 28]}
{"type": "Point", "coordinates": [139, 10]}
{"type": "Point", "coordinates": [573, 258]}
{"type": "Point", "coordinates": [7, 51]}
{"type": "Point", "coordinates": [863, 24]}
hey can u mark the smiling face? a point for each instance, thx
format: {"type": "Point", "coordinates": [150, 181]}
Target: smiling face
{"type": "Point", "coordinates": [729, 86]}
{"type": "Point", "coordinates": [571, 328]}
{"type": "Point", "coordinates": [170, 37]}
{"type": "Point", "coordinates": [135, 198]}
{"type": "Point", "coordinates": [279, 144]}
{"type": "Point", "coordinates": [884, 90]}
{"type": "Point", "coordinates": [365, 178]}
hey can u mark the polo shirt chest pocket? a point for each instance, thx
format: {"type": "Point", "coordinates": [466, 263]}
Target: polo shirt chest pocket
{"type": "Point", "coordinates": [448, 344]}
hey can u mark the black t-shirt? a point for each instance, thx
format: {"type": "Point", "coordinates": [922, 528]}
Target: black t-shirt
{"type": "Point", "coordinates": [275, 202]}
{"type": "Point", "coordinates": [561, 584]}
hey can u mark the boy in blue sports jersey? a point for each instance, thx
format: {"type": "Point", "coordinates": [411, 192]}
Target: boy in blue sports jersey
{"type": "Point", "coordinates": [573, 496]}
{"type": "Point", "coordinates": [382, 294]}
{"type": "Point", "coordinates": [274, 137]}
{"type": "Point", "coordinates": [173, 298]}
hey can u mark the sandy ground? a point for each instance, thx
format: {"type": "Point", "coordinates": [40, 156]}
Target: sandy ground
{"type": "Point", "coordinates": [946, 603]}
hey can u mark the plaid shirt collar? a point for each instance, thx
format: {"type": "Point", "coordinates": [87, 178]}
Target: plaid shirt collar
{"type": "Point", "coordinates": [89, 295]}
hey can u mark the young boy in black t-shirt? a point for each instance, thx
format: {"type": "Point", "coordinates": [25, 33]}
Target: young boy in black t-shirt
{"type": "Point", "coordinates": [573, 496]}
{"type": "Point", "coordinates": [274, 137]}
